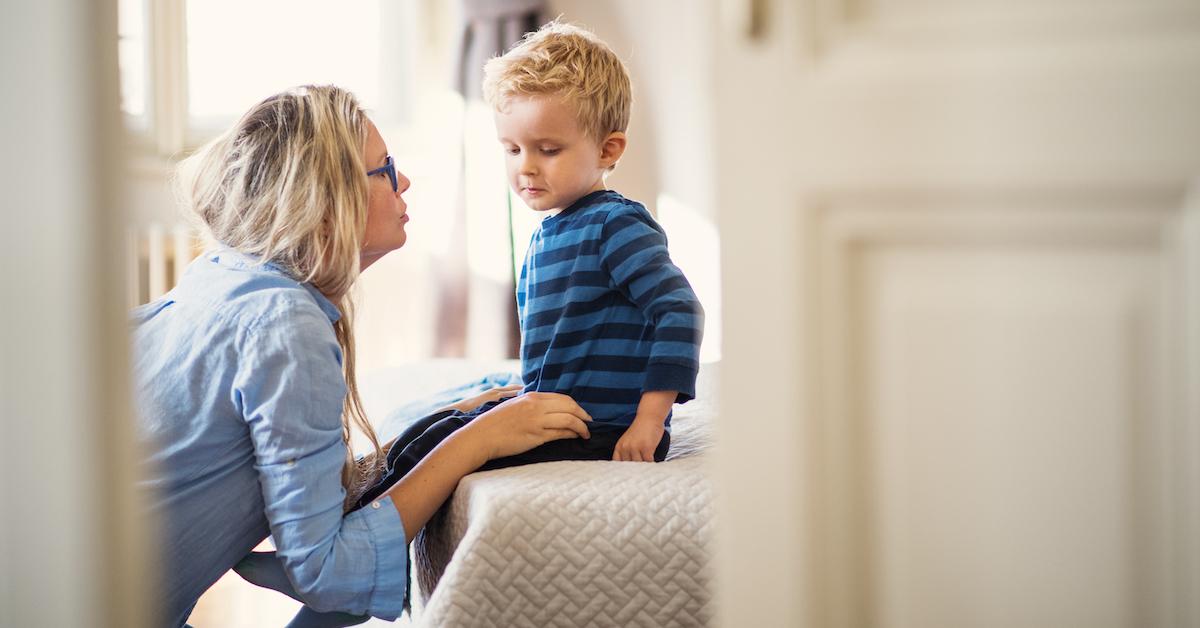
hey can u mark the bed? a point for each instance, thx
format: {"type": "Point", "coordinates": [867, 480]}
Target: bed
{"type": "Point", "coordinates": [562, 543]}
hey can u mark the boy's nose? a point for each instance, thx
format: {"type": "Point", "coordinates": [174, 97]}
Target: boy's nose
{"type": "Point", "coordinates": [528, 167]}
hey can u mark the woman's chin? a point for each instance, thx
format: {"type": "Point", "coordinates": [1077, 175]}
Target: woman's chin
{"type": "Point", "coordinates": [374, 254]}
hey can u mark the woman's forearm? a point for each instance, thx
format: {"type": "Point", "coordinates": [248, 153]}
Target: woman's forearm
{"type": "Point", "coordinates": [423, 490]}
{"type": "Point", "coordinates": [514, 426]}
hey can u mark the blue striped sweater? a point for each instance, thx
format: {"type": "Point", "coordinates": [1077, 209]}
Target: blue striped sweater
{"type": "Point", "coordinates": [605, 315]}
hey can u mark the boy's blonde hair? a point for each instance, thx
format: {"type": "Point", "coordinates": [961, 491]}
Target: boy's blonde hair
{"type": "Point", "coordinates": [569, 62]}
{"type": "Point", "coordinates": [288, 185]}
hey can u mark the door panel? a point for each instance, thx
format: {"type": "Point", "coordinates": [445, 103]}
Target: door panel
{"type": "Point", "coordinates": [971, 220]}
{"type": "Point", "coordinates": [1001, 411]}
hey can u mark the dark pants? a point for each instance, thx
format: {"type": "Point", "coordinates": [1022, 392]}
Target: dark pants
{"type": "Point", "coordinates": [422, 436]}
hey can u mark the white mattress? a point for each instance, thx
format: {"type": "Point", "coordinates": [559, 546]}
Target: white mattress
{"type": "Point", "coordinates": [569, 543]}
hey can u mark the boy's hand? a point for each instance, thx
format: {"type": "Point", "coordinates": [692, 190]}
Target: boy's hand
{"type": "Point", "coordinates": [638, 442]}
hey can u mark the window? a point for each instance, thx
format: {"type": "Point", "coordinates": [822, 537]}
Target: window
{"type": "Point", "coordinates": [239, 52]}
{"type": "Point", "coordinates": [131, 53]}
{"type": "Point", "coordinates": [190, 67]}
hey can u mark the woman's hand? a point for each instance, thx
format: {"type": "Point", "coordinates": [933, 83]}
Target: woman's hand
{"type": "Point", "coordinates": [495, 394]}
{"type": "Point", "coordinates": [514, 426]}
{"type": "Point", "coordinates": [522, 423]}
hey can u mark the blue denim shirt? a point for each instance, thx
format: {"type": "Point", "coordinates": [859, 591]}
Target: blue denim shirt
{"type": "Point", "coordinates": [238, 379]}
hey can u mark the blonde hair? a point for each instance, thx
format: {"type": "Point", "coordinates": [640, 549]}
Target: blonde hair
{"type": "Point", "coordinates": [287, 185]}
{"type": "Point", "coordinates": [569, 62]}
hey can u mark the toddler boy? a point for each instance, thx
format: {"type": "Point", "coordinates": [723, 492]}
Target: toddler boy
{"type": "Point", "coordinates": [605, 316]}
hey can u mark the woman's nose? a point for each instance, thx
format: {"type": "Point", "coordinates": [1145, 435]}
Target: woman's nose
{"type": "Point", "coordinates": [402, 183]}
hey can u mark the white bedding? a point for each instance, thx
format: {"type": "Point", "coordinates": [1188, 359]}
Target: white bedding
{"type": "Point", "coordinates": [566, 543]}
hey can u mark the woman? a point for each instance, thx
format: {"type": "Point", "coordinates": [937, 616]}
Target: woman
{"type": "Point", "coordinates": [245, 371]}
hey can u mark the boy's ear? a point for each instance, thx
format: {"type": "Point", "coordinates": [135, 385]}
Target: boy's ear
{"type": "Point", "coordinates": [612, 148]}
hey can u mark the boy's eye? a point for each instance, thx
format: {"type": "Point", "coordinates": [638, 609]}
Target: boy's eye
{"type": "Point", "coordinates": [512, 151]}
{"type": "Point", "coordinates": [550, 151]}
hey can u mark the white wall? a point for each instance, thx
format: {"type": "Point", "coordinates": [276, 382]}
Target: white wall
{"type": "Point", "coordinates": [670, 163]}
{"type": "Point", "coordinates": [667, 47]}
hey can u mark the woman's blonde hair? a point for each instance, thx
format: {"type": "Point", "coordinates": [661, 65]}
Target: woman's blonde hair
{"type": "Point", "coordinates": [287, 185]}
{"type": "Point", "coordinates": [569, 62]}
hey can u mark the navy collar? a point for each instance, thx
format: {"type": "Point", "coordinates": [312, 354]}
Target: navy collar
{"type": "Point", "coordinates": [581, 202]}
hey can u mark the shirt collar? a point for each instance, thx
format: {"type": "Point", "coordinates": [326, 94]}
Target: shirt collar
{"type": "Point", "coordinates": [236, 259]}
{"type": "Point", "coordinates": [326, 305]}
{"type": "Point", "coordinates": [590, 198]}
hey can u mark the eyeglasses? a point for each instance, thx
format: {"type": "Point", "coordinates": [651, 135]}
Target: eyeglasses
{"type": "Point", "coordinates": [389, 167]}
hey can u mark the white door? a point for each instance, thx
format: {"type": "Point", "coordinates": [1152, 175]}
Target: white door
{"type": "Point", "coordinates": [962, 333]}
{"type": "Point", "coordinates": [72, 546]}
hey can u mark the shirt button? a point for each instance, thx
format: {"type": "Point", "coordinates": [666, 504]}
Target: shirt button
{"type": "Point", "coordinates": [375, 505]}
{"type": "Point", "coordinates": [291, 463]}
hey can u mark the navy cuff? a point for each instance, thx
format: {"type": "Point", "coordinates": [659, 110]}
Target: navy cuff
{"type": "Point", "coordinates": [667, 376]}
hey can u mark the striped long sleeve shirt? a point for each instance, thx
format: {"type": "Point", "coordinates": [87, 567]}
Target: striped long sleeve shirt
{"type": "Point", "coordinates": [605, 315]}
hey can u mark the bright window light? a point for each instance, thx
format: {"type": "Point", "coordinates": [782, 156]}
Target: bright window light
{"type": "Point", "coordinates": [695, 248]}
{"type": "Point", "coordinates": [240, 52]}
{"type": "Point", "coordinates": [131, 55]}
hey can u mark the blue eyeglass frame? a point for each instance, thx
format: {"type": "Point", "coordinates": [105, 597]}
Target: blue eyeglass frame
{"type": "Point", "coordinates": [389, 167]}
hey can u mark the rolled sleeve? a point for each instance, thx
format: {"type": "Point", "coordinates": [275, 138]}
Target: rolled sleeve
{"type": "Point", "coordinates": [292, 395]}
{"type": "Point", "coordinates": [386, 533]}
{"type": "Point", "coordinates": [680, 378]}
